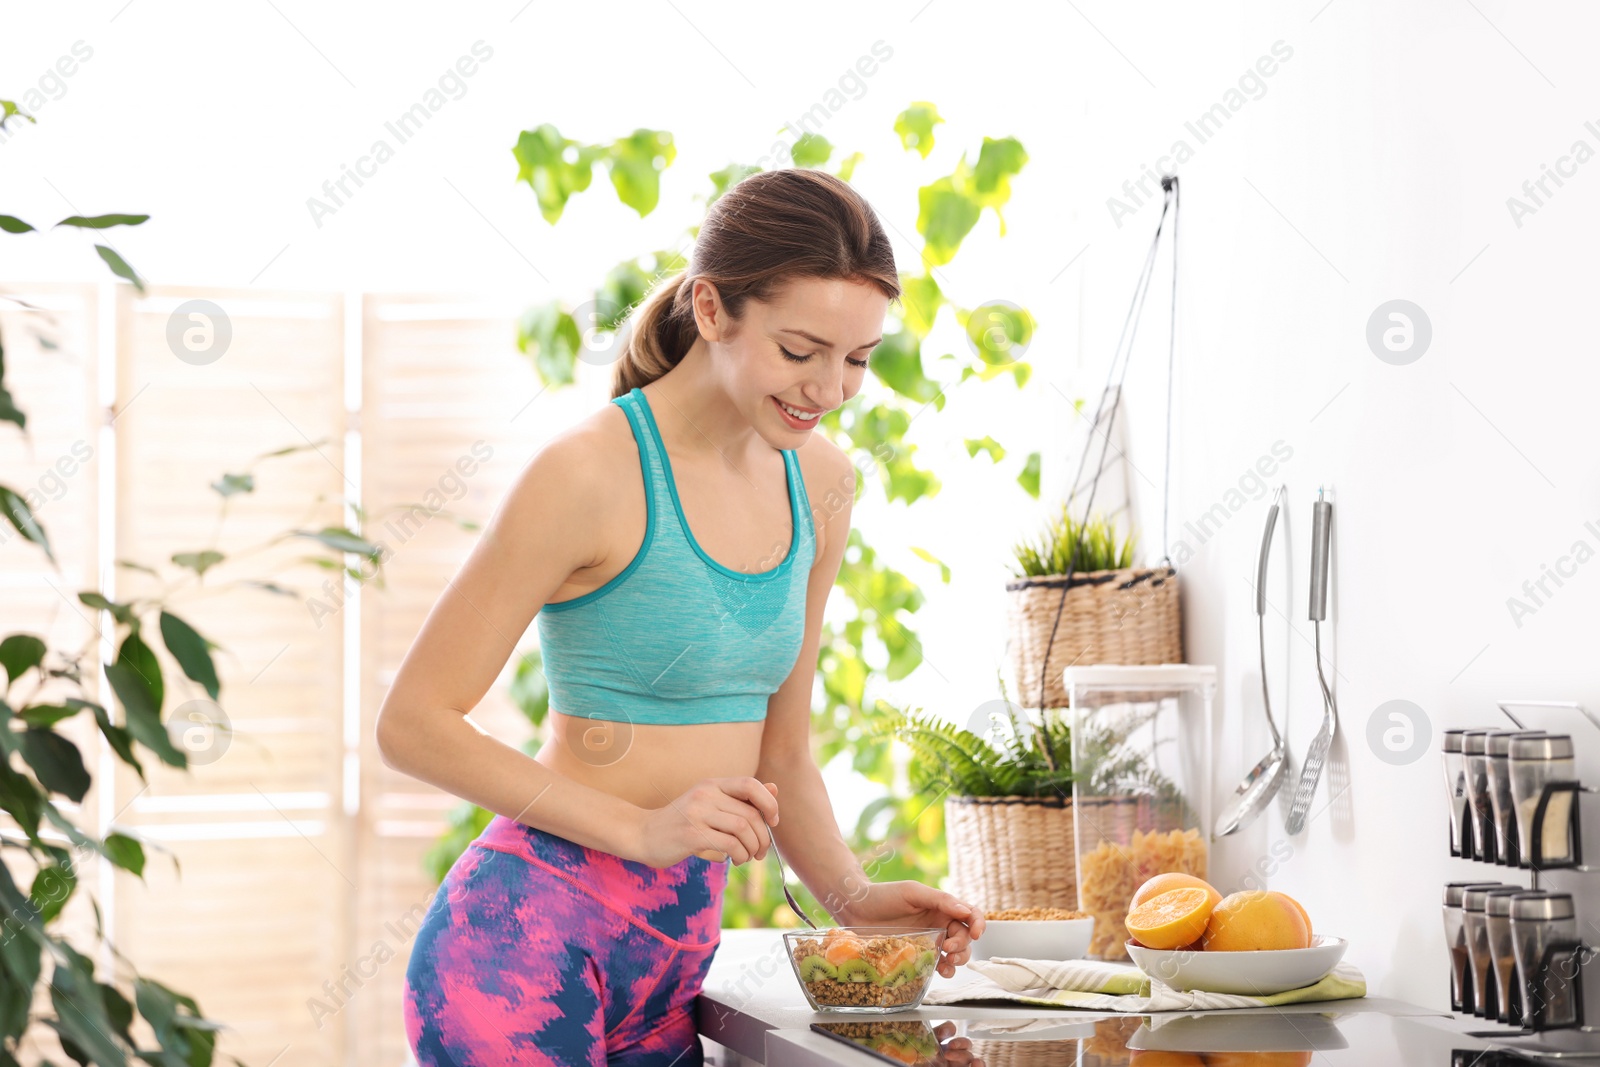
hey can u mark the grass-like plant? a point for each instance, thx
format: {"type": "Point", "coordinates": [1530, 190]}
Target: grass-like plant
{"type": "Point", "coordinates": [1099, 547]}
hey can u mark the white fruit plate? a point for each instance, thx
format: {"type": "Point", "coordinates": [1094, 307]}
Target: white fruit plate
{"type": "Point", "coordinates": [1251, 974]}
{"type": "Point", "coordinates": [1034, 939]}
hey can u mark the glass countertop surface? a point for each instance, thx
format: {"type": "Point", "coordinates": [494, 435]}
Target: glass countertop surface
{"type": "Point", "coordinates": [1209, 1039]}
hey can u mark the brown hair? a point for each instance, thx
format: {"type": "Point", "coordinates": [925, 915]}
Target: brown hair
{"type": "Point", "coordinates": [772, 226]}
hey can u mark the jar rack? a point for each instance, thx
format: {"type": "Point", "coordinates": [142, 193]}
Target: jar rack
{"type": "Point", "coordinates": [1538, 1038]}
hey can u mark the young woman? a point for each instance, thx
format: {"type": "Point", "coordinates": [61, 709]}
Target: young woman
{"type": "Point", "coordinates": [678, 547]}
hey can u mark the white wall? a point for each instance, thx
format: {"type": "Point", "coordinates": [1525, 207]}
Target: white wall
{"type": "Point", "coordinates": [1375, 165]}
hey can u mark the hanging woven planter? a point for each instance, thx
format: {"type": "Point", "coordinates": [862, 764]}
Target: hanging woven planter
{"type": "Point", "coordinates": [1122, 616]}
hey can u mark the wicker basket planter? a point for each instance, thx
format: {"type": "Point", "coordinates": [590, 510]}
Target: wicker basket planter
{"type": "Point", "coordinates": [1123, 616]}
{"type": "Point", "coordinates": [1012, 852]}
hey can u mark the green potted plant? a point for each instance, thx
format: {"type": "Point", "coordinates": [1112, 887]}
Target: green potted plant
{"type": "Point", "coordinates": [1008, 796]}
{"type": "Point", "coordinates": [1115, 613]}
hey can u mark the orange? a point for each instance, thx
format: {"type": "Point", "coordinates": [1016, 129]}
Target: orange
{"type": "Point", "coordinates": [1149, 1058]}
{"type": "Point", "coordinates": [1161, 883]}
{"type": "Point", "coordinates": [906, 954]}
{"type": "Point", "coordinates": [1171, 919]}
{"type": "Point", "coordinates": [1255, 920]}
{"type": "Point", "coordinates": [842, 948]}
{"type": "Point", "coordinates": [1303, 913]}
{"type": "Point", "coordinates": [1258, 1059]}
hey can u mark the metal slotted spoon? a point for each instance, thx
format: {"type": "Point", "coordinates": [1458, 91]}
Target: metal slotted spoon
{"type": "Point", "coordinates": [1317, 754]}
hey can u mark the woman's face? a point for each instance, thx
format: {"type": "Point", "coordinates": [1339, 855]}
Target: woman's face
{"type": "Point", "coordinates": [830, 325]}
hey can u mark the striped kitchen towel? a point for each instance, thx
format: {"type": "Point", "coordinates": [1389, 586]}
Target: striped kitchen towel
{"type": "Point", "coordinates": [1101, 986]}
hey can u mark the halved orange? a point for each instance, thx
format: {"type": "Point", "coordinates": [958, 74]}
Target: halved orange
{"type": "Point", "coordinates": [1171, 919]}
{"type": "Point", "coordinates": [1161, 883]}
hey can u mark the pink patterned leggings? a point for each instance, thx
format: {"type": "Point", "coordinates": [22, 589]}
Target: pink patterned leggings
{"type": "Point", "coordinates": [536, 950]}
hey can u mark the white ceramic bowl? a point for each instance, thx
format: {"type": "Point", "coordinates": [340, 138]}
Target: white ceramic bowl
{"type": "Point", "coordinates": [1034, 939]}
{"type": "Point", "coordinates": [1251, 974]}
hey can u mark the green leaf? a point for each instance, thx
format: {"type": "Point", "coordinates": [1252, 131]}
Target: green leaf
{"type": "Point", "coordinates": [81, 1010]}
{"type": "Point", "coordinates": [22, 520]}
{"type": "Point", "coordinates": [52, 888]}
{"type": "Point", "coordinates": [341, 539]}
{"type": "Point", "coordinates": [126, 853]}
{"type": "Point", "coordinates": [56, 762]}
{"type": "Point", "coordinates": [998, 162]}
{"type": "Point", "coordinates": [46, 715]}
{"type": "Point", "coordinates": [944, 568]}
{"type": "Point", "coordinates": [920, 301]}
{"type": "Point", "coordinates": [119, 266]}
{"type": "Point", "coordinates": [192, 652]}
{"type": "Point", "coordinates": [847, 166]}
{"type": "Point", "coordinates": [136, 679]}
{"type": "Point", "coordinates": [636, 164]}
{"type": "Point", "coordinates": [897, 363]}
{"type": "Point", "coordinates": [551, 332]}
{"type": "Point", "coordinates": [20, 798]}
{"type": "Point", "coordinates": [1029, 478]}
{"type": "Point", "coordinates": [121, 740]}
{"type": "Point", "coordinates": [230, 484]}
{"type": "Point", "coordinates": [199, 562]}
{"type": "Point", "coordinates": [102, 222]}
{"type": "Point", "coordinates": [810, 150]}
{"type": "Point", "coordinates": [132, 566]}
{"type": "Point", "coordinates": [19, 654]}
{"type": "Point", "coordinates": [945, 215]}
{"type": "Point", "coordinates": [915, 126]}
{"type": "Point", "coordinates": [729, 176]}
{"type": "Point", "coordinates": [999, 332]}
{"type": "Point", "coordinates": [12, 224]}
{"type": "Point", "coordinates": [554, 167]}
{"type": "Point", "coordinates": [986, 444]}
{"type": "Point", "coordinates": [123, 613]}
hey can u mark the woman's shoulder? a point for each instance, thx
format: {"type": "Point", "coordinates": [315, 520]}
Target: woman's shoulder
{"type": "Point", "coordinates": [828, 474]}
{"type": "Point", "coordinates": [585, 461]}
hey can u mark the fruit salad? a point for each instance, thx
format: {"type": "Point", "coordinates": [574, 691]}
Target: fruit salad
{"type": "Point", "coordinates": [864, 968]}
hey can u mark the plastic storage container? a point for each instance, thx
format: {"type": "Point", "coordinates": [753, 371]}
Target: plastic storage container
{"type": "Point", "coordinates": [1535, 762]}
{"type": "Point", "coordinates": [1141, 794]}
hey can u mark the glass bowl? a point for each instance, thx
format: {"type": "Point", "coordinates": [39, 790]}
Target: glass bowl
{"type": "Point", "coordinates": [867, 970]}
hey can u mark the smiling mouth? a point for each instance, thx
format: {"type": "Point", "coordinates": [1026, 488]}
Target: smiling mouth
{"type": "Point", "coordinates": [795, 416]}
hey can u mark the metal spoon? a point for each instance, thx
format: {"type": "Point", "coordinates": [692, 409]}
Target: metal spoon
{"type": "Point", "coordinates": [1266, 777]}
{"type": "Point", "coordinates": [783, 880]}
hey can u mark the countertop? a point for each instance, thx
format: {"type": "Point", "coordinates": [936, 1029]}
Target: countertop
{"type": "Point", "coordinates": [752, 1005]}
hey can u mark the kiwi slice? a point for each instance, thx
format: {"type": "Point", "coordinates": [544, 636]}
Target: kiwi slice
{"type": "Point", "coordinates": [899, 975]}
{"type": "Point", "coordinates": [857, 970]}
{"type": "Point", "coordinates": [815, 968]}
{"type": "Point", "coordinates": [926, 959]}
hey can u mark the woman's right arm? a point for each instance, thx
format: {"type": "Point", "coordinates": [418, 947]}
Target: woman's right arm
{"type": "Point", "coordinates": [548, 525]}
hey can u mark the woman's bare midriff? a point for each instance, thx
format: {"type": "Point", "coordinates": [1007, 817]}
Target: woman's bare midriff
{"type": "Point", "coordinates": [648, 764]}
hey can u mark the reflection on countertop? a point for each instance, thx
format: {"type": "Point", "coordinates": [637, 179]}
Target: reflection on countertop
{"type": "Point", "coordinates": [1261, 1038]}
{"type": "Point", "coordinates": [751, 1010]}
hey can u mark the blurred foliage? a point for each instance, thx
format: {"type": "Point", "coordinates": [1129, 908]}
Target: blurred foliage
{"type": "Point", "coordinates": [870, 639]}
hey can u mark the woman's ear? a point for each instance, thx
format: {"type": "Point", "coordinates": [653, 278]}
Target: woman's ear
{"type": "Point", "coordinates": [709, 314]}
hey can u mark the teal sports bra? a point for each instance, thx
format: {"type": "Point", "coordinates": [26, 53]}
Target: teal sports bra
{"type": "Point", "coordinates": [677, 637]}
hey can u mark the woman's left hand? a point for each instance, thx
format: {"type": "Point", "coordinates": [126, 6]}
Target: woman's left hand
{"type": "Point", "coordinates": [910, 903]}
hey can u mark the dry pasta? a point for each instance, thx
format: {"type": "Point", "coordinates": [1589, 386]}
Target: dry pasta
{"type": "Point", "coordinates": [1110, 874]}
